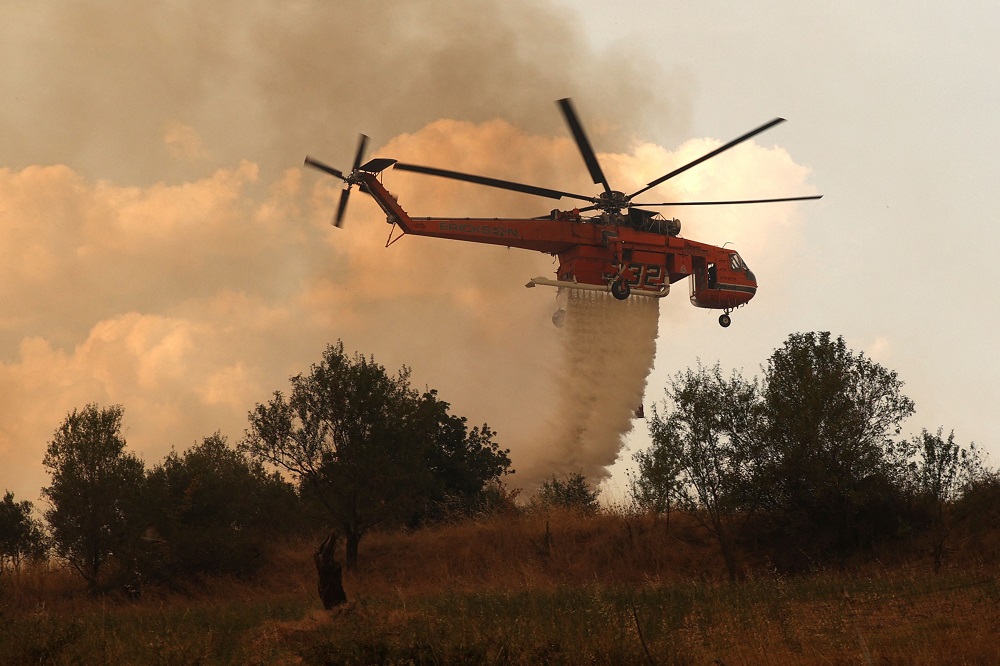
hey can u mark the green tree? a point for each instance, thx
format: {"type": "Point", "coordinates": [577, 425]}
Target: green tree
{"type": "Point", "coordinates": [21, 535]}
{"type": "Point", "coordinates": [214, 508]}
{"type": "Point", "coordinates": [95, 490]}
{"type": "Point", "coordinates": [830, 416]}
{"type": "Point", "coordinates": [979, 507]}
{"type": "Point", "coordinates": [497, 499]}
{"type": "Point", "coordinates": [657, 482]}
{"type": "Point", "coordinates": [944, 470]}
{"type": "Point", "coordinates": [706, 454]}
{"type": "Point", "coordinates": [573, 492]}
{"type": "Point", "coordinates": [465, 465]}
{"type": "Point", "coordinates": [368, 448]}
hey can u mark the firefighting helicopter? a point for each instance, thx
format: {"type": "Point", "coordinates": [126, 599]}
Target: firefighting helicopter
{"type": "Point", "coordinates": [621, 247]}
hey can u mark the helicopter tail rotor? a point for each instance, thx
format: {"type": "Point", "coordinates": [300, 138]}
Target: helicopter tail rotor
{"type": "Point", "coordinates": [325, 168]}
{"type": "Point", "coordinates": [349, 179]}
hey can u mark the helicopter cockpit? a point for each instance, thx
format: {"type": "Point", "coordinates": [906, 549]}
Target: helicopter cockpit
{"type": "Point", "coordinates": [738, 265]}
{"type": "Point", "coordinates": [722, 282]}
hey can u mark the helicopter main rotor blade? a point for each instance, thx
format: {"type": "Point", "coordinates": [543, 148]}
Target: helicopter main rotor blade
{"type": "Point", "coordinates": [710, 155]}
{"type": "Point", "coordinates": [362, 142]}
{"type": "Point", "coordinates": [589, 157]}
{"type": "Point", "coordinates": [342, 206]}
{"type": "Point", "coordinates": [725, 203]}
{"type": "Point", "coordinates": [316, 164]}
{"type": "Point", "coordinates": [492, 182]}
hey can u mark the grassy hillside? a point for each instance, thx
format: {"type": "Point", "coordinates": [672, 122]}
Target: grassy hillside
{"type": "Point", "coordinates": [546, 587]}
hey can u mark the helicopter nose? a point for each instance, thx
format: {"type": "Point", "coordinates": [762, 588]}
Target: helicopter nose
{"type": "Point", "coordinates": [752, 284]}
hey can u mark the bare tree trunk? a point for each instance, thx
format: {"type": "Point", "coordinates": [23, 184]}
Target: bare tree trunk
{"type": "Point", "coordinates": [351, 550]}
{"type": "Point", "coordinates": [726, 545]}
{"type": "Point", "coordinates": [331, 585]}
{"type": "Point", "coordinates": [729, 557]}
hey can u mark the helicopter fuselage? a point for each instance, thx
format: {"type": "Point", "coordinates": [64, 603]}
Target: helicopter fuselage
{"type": "Point", "coordinates": [625, 248]}
{"type": "Point", "coordinates": [596, 253]}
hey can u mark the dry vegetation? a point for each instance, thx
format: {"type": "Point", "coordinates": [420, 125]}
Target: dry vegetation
{"type": "Point", "coordinates": [545, 587]}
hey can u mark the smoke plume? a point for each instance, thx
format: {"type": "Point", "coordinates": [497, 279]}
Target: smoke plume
{"type": "Point", "coordinates": [162, 248]}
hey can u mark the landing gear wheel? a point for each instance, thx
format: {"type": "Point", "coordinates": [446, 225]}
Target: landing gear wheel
{"type": "Point", "coordinates": [620, 290]}
{"type": "Point", "coordinates": [725, 320]}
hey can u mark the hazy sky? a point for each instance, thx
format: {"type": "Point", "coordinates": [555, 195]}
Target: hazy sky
{"type": "Point", "coordinates": [162, 248]}
{"type": "Point", "coordinates": [893, 107]}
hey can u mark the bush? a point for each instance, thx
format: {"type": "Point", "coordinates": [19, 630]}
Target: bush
{"type": "Point", "coordinates": [571, 493]}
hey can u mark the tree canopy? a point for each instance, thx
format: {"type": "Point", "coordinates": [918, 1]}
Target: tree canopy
{"type": "Point", "coordinates": [941, 474]}
{"type": "Point", "coordinates": [706, 455]}
{"type": "Point", "coordinates": [212, 508]}
{"type": "Point", "coordinates": [368, 448]}
{"type": "Point", "coordinates": [830, 418]}
{"type": "Point", "coordinates": [809, 449]}
{"type": "Point", "coordinates": [573, 492]}
{"type": "Point", "coordinates": [21, 535]}
{"type": "Point", "coordinates": [95, 490]}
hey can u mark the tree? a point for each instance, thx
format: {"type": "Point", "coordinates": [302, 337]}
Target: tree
{"type": "Point", "coordinates": [21, 535]}
{"type": "Point", "coordinates": [830, 416]}
{"type": "Point", "coordinates": [657, 482]}
{"type": "Point", "coordinates": [571, 493]}
{"type": "Point", "coordinates": [366, 447]}
{"type": "Point", "coordinates": [943, 471]}
{"type": "Point", "coordinates": [464, 464]}
{"type": "Point", "coordinates": [979, 507]}
{"type": "Point", "coordinates": [95, 489]}
{"type": "Point", "coordinates": [706, 454]}
{"type": "Point", "coordinates": [808, 449]}
{"type": "Point", "coordinates": [215, 508]}
{"type": "Point", "coordinates": [497, 499]}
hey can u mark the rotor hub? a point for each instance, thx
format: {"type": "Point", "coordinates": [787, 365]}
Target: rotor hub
{"type": "Point", "coordinates": [612, 201]}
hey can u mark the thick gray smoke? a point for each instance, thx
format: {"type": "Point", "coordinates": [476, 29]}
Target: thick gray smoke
{"type": "Point", "coordinates": [139, 93]}
{"type": "Point", "coordinates": [162, 248]}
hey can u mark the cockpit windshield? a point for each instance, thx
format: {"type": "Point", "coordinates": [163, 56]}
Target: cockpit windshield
{"type": "Point", "coordinates": [737, 263]}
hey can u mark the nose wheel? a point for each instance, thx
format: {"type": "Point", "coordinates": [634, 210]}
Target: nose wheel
{"type": "Point", "coordinates": [725, 320]}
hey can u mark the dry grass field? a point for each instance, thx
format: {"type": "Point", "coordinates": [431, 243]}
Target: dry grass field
{"type": "Point", "coordinates": [546, 587]}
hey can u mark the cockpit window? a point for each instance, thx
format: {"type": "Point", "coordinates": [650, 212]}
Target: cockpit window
{"type": "Point", "coordinates": [736, 263]}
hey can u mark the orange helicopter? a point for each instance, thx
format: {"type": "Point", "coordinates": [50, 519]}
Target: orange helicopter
{"type": "Point", "coordinates": [621, 248]}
